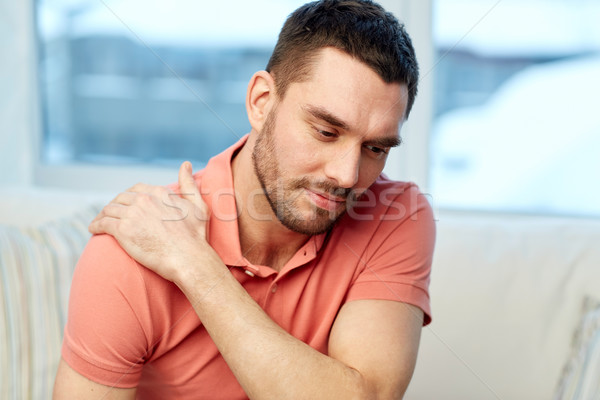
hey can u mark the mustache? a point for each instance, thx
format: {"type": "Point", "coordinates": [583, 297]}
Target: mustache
{"type": "Point", "coordinates": [326, 187]}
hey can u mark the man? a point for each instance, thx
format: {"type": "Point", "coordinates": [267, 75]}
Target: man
{"type": "Point", "coordinates": [288, 268]}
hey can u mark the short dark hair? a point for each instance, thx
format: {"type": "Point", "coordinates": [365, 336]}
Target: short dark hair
{"type": "Point", "coordinates": [360, 28]}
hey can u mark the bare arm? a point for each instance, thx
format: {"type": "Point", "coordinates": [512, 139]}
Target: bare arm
{"type": "Point", "coordinates": [372, 349]}
{"type": "Point", "coordinates": [71, 385]}
{"type": "Point", "coordinates": [379, 338]}
{"type": "Point", "coordinates": [373, 343]}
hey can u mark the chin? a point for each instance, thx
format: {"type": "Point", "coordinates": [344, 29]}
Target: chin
{"type": "Point", "coordinates": [314, 223]}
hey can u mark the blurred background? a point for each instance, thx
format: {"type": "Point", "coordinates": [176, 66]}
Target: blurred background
{"type": "Point", "coordinates": [118, 91]}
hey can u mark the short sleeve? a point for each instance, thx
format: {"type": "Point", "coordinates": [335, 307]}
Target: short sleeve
{"type": "Point", "coordinates": [398, 258]}
{"type": "Point", "coordinates": [108, 331]}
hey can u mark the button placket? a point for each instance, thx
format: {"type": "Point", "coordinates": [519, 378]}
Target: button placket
{"type": "Point", "coordinates": [272, 290]}
{"type": "Point", "coordinates": [272, 302]}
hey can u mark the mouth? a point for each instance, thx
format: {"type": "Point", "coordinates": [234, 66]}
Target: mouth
{"type": "Point", "coordinates": [326, 201]}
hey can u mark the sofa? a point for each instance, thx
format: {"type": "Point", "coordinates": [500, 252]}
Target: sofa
{"type": "Point", "coordinates": [510, 299]}
{"type": "Point", "coordinates": [515, 300]}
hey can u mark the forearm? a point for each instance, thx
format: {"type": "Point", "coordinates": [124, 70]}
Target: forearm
{"type": "Point", "coordinates": [267, 361]}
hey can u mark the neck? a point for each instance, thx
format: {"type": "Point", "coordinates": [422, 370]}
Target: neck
{"type": "Point", "coordinates": [264, 240]}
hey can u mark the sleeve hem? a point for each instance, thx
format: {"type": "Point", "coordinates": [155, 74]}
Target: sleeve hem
{"type": "Point", "coordinates": [402, 292]}
{"type": "Point", "coordinates": [125, 379]}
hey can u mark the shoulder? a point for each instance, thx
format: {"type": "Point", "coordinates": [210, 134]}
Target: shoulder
{"type": "Point", "coordinates": [103, 260]}
{"type": "Point", "coordinates": [104, 265]}
{"type": "Point", "coordinates": [105, 269]}
{"type": "Point", "coordinates": [391, 235]}
{"type": "Point", "coordinates": [109, 328]}
{"type": "Point", "coordinates": [117, 313]}
{"type": "Point", "coordinates": [389, 205]}
{"type": "Point", "coordinates": [402, 199]}
{"type": "Point", "coordinates": [106, 281]}
{"type": "Point", "coordinates": [392, 224]}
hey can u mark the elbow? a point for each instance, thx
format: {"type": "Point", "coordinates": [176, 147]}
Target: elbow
{"type": "Point", "coordinates": [366, 389]}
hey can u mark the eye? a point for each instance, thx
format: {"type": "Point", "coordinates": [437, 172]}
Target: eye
{"type": "Point", "coordinates": [377, 150]}
{"type": "Point", "coordinates": [326, 133]}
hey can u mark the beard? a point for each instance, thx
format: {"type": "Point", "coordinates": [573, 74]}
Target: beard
{"type": "Point", "coordinates": [284, 195]}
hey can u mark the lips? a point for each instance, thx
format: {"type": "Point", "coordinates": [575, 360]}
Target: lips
{"type": "Point", "coordinates": [326, 201]}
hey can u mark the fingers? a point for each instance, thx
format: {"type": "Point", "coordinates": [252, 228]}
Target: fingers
{"type": "Point", "coordinates": [142, 200]}
{"type": "Point", "coordinates": [103, 225]}
{"type": "Point", "coordinates": [114, 211]}
{"type": "Point", "coordinates": [141, 188]}
{"type": "Point", "coordinates": [111, 211]}
{"type": "Point", "coordinates": [187, 185]}
{"type": "Point", "coordinates": [125, 198]}
{"type": "Point", "coordinates": [189, 191]}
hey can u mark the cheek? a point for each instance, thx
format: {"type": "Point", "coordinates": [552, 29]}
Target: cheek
{"type": "Point", "coordinates": [295, 153]}
{"type": "Point", "coordinates": [299, 160]}
{"type": "Point", "coordinates": [369, 171]}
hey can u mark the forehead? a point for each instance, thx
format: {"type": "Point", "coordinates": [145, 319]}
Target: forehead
{"type": "Point", "coordinates": [350, 89]}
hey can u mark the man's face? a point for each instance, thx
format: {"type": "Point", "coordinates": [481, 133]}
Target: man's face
{"type": "Point", "coordinates": [326, 141]}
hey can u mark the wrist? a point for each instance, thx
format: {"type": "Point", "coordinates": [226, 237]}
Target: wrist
{"type": "Point", "coordinates": [196, 276]}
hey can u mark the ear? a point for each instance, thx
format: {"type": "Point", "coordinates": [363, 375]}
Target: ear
{"type": "Point", "coordinates": [260, 98]}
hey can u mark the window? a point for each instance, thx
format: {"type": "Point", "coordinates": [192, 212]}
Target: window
{"type": "Point", "coordinates": [516, 126]}
{"type": "Point", "coordinates": [152, 83]}
{"type": "Point", "coordinates": [129, 89]}
{"type": "Point", "coordinates": [132, 81]}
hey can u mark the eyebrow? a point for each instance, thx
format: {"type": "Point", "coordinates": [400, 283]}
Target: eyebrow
{"type": "Point", "coordinates": [385, 142]}
{"type": "Point", "coordinates": [324, 115]}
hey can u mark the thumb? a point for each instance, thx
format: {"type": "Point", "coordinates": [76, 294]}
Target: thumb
{"type": "Point", "coordinates": [187, 185]}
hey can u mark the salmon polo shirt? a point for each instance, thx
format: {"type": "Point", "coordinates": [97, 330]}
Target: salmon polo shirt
{"type": "Point", "coordinates": [128, 327]}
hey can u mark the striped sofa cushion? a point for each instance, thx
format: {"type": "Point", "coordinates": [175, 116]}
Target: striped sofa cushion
{"type": "Point", "coordinates": [36, 266]}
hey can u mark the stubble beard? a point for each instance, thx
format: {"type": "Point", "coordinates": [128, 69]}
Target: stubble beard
{"type": "Point", "coordinates": [282, 195]}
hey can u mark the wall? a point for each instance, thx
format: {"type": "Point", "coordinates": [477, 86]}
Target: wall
{"type": "Point", "coordinates": [18, 109]}
{"type": "Point", "coordinates": [411, 161]}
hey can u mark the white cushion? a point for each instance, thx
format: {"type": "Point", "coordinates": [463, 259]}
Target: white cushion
{"type": "Point", "coordinates": [506, 294]}
{"type": "Point", "coordinates": [31, 206]}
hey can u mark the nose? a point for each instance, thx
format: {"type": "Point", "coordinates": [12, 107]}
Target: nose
{"type": "Point", "coordinates": [343, 167]}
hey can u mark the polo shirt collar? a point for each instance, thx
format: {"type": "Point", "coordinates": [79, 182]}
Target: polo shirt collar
{"type": "Point", "coordinates": [216, 187]}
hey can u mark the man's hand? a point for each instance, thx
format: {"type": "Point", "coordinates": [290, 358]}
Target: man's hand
{"type": "Point", "coordinates": [162, 230]}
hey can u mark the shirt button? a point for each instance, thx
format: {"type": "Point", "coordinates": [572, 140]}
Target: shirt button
{"type": "Point", "coordinates": [274, 289]}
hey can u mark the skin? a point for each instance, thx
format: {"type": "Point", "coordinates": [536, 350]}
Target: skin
{"type": "Point", "coordinates": [328, 139]}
